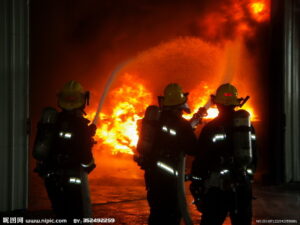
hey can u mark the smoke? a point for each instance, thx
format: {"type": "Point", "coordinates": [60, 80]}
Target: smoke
{"type": "Point", "coordinates": [184, 60]}
{"type": "Point", "coordinates": [191, 42]}
{"type": "Point", "coordinates": [86, 40]}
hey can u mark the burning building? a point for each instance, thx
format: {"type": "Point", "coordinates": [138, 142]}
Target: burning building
{"type": "Point", "coordinates": [141, 46]}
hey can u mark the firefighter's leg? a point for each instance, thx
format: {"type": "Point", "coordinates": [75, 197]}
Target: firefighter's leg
{"type": "Point", "coordinates": [57, 198]}
{"type": "Point", "coordinates": [163, 213]}
{"type": "Point", "coordinates": [215, 207]}
{"type": "Point", "coordinates": [78, 198]}
{"type": "Point", "coordinates": [86, 199]}
{"type": "Point", "coordinates": [73, 203]}
{"type": "Point", "coordinates": [163, 203]}
{"type": "Point", "coordinates": [241, 210]}
{"type": "Point", "coordinates": [156, 214]}
{"type": "Point", "coordinates": [197, 190]}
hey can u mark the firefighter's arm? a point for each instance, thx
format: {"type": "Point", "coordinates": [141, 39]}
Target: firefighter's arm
{"type": "Point", "coordinates": [253, 165]}
{"type": "Point", "coordinates": [197, 117]}
{"type": "Point", "coordinates": [44, 136]}
{"type": "Point", "coordinates": [204, 141]}
{"type": "Point", "coordinates": [197, 190]}
{"type": "Point", "coordinates": [189, 140]}
{"type": "Point", "coordinates": [44, 139]}
{"type": "Point", "coordinates": [89, 167]}
{"type": "Point", "coordinates": [87, 161]}
{"type": "Point", "coordinates": [206, 156]}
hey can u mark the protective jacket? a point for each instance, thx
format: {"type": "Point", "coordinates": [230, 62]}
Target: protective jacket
{"type": "Point", "coordinates": [216, 148]}
{"type": "Point", "coordinates": [73, 141]}
{"type": "Point", "coordinates": [174, 137]}
{"type": "Point", "coordinates": [67, 162]}
{"type": "Point", "coordinates": [223, 185]}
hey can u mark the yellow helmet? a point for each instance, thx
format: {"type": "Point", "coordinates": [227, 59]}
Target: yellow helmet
{"type": "Point", "coordinates": [72, 96]}
{"type": "Point", "coordinates": [227, 95]}
{"type": "Point", "coordinates": [173, 95]}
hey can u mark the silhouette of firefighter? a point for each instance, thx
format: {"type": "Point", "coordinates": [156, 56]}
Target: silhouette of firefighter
{"type": "Point", "coordinates": [165, 138]}
{"type": "Point", "coordinates": [63, 150]}
{"type": "Point", "coordinates": [225, 163]}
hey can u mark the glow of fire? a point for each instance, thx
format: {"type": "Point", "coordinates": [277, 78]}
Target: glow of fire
{"type": "Point", "coordinates": [260, 10]}
{"type": "Point", "coordinates": [212, 113]}
{"type": "Point", "coordinates": [118, 130]}
{"type": "Point", "coordinates": [198, 99]}
{"type": "Point", "coordinates": [257, 7]}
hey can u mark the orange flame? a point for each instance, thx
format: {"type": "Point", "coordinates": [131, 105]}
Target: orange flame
{"type": "Point", "coordinates": [118, 129]}
{"type": "Point", "coordinates": [257, 7]}
{"type": "Point", "coordinates": [232, 20]}
{"type": "Point", "coordinates": [260, 10]}
{"type": "Point", "coordinates": [200, 96]}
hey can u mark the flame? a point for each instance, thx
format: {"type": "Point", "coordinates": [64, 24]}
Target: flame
{"type": "Point", "coordinates": [231, 20]}
{"type": "Point", "coordinates": [199, 97]}
{"type": "Point", "coordinates": [257, 7]}
{"type": "Point", "coordinates": [260, 10]}
{"type": "Point", "coordinates": [117, 129]}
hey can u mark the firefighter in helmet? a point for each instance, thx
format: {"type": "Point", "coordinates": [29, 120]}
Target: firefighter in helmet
{"type": "Point", "coordinates": [165, 138]}
{"type": "Point", "coordinates": [63, 150]}
{"type": "Point", "coordinates": [225, 163]}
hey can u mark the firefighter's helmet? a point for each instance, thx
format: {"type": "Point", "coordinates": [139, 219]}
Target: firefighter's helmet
{"type": "Point", "coordinates": [227, 94]}
{"type": "Point", "coordinates": [174, 96]}
{"type": "Point", "coordinates": [72, 96]}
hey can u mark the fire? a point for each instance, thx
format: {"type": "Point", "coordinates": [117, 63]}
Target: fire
{"type": "Point", "coordinates": [257, 7]}
{"type": "Point", "coordinates": [199, 97]}
{"type": "Point", "coordinates": [193, 57]}
{"type": "Point", "coordinates": [212, 113]}
{"type": "Point", "coordinates": [117, 129]}
{"type": "Point", "coordinates": [231, 20]}
{"type": "Point", "coordinates": [260, 10]}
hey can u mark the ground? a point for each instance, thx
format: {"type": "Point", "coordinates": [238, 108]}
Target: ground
{"type": "Point", "coordinates": [271, 203]}
{"type": "Point", "coordinates": [125, 201]}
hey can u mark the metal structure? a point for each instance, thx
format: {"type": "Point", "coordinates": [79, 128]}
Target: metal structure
{"type": "Point", "coordinates": [292, 90]}
{"type": "Point", "coordinates": [14, 61]}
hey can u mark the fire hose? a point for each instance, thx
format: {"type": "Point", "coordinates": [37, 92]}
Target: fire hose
{"type": "Point", "coordinates": [202, 112]}
{"type": "Point", "coordinates": [107, 86]}
{"type": "Point", "coordinates": [179, 173]}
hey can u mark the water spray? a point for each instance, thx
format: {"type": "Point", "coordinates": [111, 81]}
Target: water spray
{"type": "Point", "coordinates": [107, 86]}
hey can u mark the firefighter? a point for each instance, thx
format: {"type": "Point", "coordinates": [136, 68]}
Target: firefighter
{"type": "Point", "coordinates": [225, 163]}
{"type": "Point", "coordinates": [164, 140]}
{"type": "Point", "coordinates": [63, 150]}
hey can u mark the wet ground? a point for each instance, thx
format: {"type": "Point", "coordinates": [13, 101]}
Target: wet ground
{"type": "Point", "coordinates": [125, 201]}
{"type": "Point", "coordinates": [273, 204]}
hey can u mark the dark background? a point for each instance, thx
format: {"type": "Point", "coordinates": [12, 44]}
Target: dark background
{"type": "Point", "coordinates": [85, 40]}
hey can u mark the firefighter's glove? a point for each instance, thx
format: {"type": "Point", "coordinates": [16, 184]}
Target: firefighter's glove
{"type": "Point", "coordinates": [197, 190]}
{"type": "Point", "coordinates": [139, 160]}
{"type": "Point", "coordinates": [90, 168]}
{"type": "Point", "coordinates": [202, 112]}
{"type": "Point", "coordinates": [197, 117]}
{"type": "Point", "coordinates": [40, 169]}
{"type": "Point", "coordinates": [92, 129]}
{"type": "Point", "coordinates": [250, 173]}
{"type": "Point", "coordinates": [199, 204]}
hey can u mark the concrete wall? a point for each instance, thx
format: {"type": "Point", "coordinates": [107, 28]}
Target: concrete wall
{"type": "Point", "coordinates": [14, 62]}
{"type": "Point", "coordinates": [291, 90]}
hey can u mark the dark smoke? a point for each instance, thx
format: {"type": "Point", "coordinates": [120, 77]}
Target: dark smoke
{"type": "Point", "coordinates": [86, 40]}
